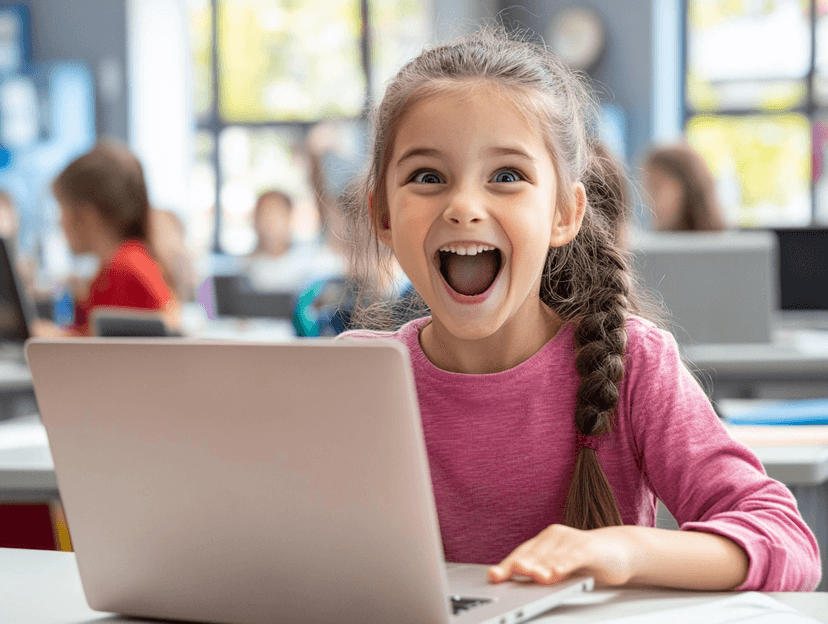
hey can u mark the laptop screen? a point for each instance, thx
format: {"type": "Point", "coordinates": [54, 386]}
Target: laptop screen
{"type": "Point", "coordinates": [13, 314]}
{"type": "Point", "coordinates": [803, 269]}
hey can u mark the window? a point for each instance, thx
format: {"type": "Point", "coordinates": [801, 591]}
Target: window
{"type": "Point", "coordinates": [756, 97]}
{"type": "Point", "coordinates": [265, 72]}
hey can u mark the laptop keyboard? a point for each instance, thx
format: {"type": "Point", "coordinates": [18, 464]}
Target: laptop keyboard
{"type": "Point", "coordinates": [460, 604]}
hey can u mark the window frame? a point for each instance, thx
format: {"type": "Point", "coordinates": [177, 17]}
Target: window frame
{"type": "Point", "coordinates": [809, 108]}
{"type": "Point", "coordinates": [214, 123]}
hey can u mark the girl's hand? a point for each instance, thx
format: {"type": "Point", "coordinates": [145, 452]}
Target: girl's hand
{"type": "Point", "coordinates": [558, 551]}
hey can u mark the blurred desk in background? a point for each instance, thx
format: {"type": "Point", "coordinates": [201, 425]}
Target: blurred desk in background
{"type": "Point", "coordinates": [27, 472]}
{"type": "Point", "coordinates": [794, 358]}
{"type": "Point", "coordinates": [196, 324]}
{"type": "Point", "coordinates": [16, 391]}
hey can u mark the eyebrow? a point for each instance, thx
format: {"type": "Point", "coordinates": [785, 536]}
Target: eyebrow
{"type": "Point", "coordinates": [418, 151]}
{"type": "Point", "coordinates": [494, 151]}
{"type": "Point", "coordinates": [511, 151]}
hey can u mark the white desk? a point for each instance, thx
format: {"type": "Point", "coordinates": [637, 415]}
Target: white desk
{"type": "Point", "coordinates": [27, 473]}
{"type": "Point", "coordinates": [736, 370]}
{"type": "Point", "coordinates": [43, 587]}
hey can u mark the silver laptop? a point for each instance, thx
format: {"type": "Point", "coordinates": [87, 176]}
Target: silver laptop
{"type": "Point", "coordinates": [250, 483]}
{"type": "Point", "coordinates": [719, 287]}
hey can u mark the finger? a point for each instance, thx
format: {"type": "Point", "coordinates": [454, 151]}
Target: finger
{"type": "Point", "coordinates": [518, 568]}
{"type": "Point", "coordinates": [498, 574]}
{"type": "Point", "coordinates": [503, 570]}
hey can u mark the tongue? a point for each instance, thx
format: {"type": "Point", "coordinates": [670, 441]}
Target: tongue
{"type": "Point", "coordinates": [470, 275]}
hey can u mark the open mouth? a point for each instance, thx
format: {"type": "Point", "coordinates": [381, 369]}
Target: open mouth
{"type": "Point", "coordinates": [470, 271]}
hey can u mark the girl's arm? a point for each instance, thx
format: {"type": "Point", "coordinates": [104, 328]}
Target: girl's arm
{"type": "Point", "coordinates": [739, 528]}
{"type": "Point", "coordinates": [629, 555]}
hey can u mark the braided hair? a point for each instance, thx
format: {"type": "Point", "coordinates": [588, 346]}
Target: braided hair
{"type": "Point", "coordinates": [587, 281]}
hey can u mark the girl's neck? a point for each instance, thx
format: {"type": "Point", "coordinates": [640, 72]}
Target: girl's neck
{"type": "Point", "coordinates": [514, 343]}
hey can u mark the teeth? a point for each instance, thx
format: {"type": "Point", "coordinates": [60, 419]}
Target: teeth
{"type": "Point", "coordinates": [467, 250]}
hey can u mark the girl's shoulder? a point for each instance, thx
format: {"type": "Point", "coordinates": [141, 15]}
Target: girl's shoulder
{"type": "Point", "coordinates": [644, 337]}
{"type": "Point", "coordinates": [406, 333]}
{"type": "Point", "coordinates": [365, 333]}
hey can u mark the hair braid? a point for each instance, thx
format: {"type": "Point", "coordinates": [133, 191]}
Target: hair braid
{"type": "Point", "coordinates": [589, 284]}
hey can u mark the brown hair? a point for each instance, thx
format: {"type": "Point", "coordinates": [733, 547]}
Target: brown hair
{"type": "Point", "coordinates": [700, 208]}
{"type": "Point", "coordinates": [607, 187]}
{"type": "Point", "coordinates": [167, 234]}
{"type": "Point", "coordinates": [110, 178]}
{"type": "Point", "coordinates": [587, 281]}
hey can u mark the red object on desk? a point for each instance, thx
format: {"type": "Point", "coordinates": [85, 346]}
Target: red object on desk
{"type": "Point", "coordinates": [26, 526]}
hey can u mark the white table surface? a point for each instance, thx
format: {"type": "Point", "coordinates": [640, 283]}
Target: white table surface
{"type": "Point", "coordinates": [43, 587]}
{"type": "Point", "coordinates": [793, 356]}
{"type": "Point", "coordinates": [27, 472]}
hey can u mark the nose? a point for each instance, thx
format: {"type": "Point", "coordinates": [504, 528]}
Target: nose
{"type": "Point", "coordinates": [465, 206]}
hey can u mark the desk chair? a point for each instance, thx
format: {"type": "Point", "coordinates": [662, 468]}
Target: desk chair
{"type": "Point", "coordinates": [234, 295]}
{"type": "Point", "coordinates": [129, 323]}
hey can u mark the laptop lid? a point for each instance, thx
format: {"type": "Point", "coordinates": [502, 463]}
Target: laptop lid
{"type": "Point", "coordinates": [719, 287]}
{"type": "Point", "coordinates": [231, 483]}
{"type": "Point", "coordinates": [228, 482]}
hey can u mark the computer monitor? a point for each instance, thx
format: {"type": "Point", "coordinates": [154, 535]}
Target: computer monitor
{"type": "Point", "coordinates": [234, 295]}
{"type": "Point", "coordinates": [16, 311]}
{"type": "Point", "coordinates": [719, 287]}
{"type": "Point", "coordinates": [803, 269]}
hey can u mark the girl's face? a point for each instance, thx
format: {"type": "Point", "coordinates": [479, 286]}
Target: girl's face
{"type": "Point", "coordinates": [471, 192]}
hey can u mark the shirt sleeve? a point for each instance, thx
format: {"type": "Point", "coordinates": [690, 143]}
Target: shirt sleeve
{"type": "Point", "coordinates": [709, 481]}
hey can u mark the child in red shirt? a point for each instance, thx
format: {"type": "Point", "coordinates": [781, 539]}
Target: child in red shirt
{"type": "Point", "coordinates": [105, 211]}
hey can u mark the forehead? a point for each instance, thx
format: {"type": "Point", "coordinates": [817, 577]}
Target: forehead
{"type": "Point", "coordinates": [468, 110]}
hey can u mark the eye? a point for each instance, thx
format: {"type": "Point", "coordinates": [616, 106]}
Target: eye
{"type": "Point", "coordinates": [426, 177]}
{"type": "Point", "coordinates": [507, 175]}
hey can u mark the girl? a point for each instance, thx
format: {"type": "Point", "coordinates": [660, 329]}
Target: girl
{"type": "Point", "coordinates": [681, 190]}
{"type": "Point", "coordinates": [105, 211]}
{"type": "Point", "coordinates": [554, 415]}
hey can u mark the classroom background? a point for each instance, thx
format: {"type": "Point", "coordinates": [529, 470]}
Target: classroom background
{"type": "Point", "coordinates": [224, 100]}
{"type": "Point", "coordinates": [249, 118]}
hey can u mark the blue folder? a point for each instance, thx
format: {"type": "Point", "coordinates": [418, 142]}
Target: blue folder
{"type": "Point", "coordinates": [810, 412]}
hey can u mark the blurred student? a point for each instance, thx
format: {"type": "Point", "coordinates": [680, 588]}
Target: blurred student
{"type": "Point", "coordinates": [10, 231]}
{"type": "Point", "coordinates": [9, 220]}
{"type": "Point", "coordinates": [169, 246]}
{"type": "Point", "coordinates": [278, 262]}
{"type": "Point", "coordinates": [105, 212]}
{"type": "Point", "coordinates": [682, 191]}
{"type": "Point", "coordinates": [272, 218]}
{"type": "Point", "coordinates": [606, 186]}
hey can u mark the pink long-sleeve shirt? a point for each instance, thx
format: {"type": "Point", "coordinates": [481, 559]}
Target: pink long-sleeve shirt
{"type": "Point", "coordinates": [501, 450]}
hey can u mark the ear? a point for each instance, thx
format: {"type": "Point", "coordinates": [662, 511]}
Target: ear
{"type": "Point", "coordinates": [567, 220]}
{"type": "Point", "coordinates": [382, 228]}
